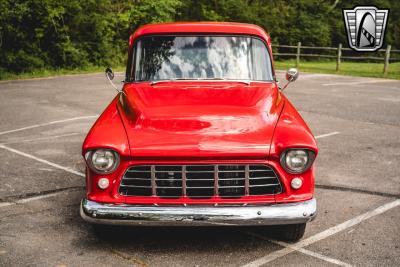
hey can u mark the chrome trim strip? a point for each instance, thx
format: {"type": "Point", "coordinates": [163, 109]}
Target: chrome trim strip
{"type": "Point", "coordinates": [246, 180]}
{"type": "Point", "coordinates": [216, 189]}
{"type": "Point", "coordinates": [153, 180]}
{"type": "Point", "coordinates": [184, 180]}
{"type": "Point", "coordinates": [247, 82]}
{"type": "Point", "coordinates": [123, 214]}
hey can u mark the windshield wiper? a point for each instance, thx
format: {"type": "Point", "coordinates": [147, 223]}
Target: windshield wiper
{"type": "Point", "coordinates": [214, 78]}
{"type": "Point", "coordinates": [171, 80]}
{"type": "Point", "coordinates": [225, 79]}
{"type": "Point", "coordinates": [229, 80]}
{"type": "Point", "coordinates": [201, 79]}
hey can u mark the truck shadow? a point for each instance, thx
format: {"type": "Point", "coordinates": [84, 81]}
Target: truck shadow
{"type": "Point", "coordinates": [209, 238]}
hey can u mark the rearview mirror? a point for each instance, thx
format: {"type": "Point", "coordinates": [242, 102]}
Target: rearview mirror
{"type": "Point", "coordinates": [291, 75]}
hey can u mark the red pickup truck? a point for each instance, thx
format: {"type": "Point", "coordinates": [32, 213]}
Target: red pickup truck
{"type": "Point", "coordinates": [200, 134]}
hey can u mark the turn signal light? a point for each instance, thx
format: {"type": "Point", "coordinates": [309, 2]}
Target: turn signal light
{"type": "Point", "coordinates": [103, 183]}
{"type": "Point", "coordinates": [296, 183]}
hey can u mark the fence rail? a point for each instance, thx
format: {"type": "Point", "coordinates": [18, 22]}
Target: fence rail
{"type": "Point", "coordinates": [386, 58]}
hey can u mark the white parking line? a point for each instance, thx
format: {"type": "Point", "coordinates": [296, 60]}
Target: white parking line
{"type": "Point", "coordinates": [315, 75]}
{"type": "Point", "coordinates": [55, 165]}
{"type": "Point", "coordinates": [324, 234]}
{"type": "Point", "coordinates": [47, 123]}
{"type": "Point", "coordinates": [302, 250]}
{"type": "Point", "coordinates": [5, 204]}
{"type": "Point", "coordinates": [389, 99]}
{"type": "Point", "coordinates": [326, 135]}
{"type": "Point", "coordinates": [39, 138]}
{"type": "Point", "coordinates": [323, 257]}
{"type": "Point", "coordinates": [29, 199]}
{"type": "Point", "coordinates": [359, 82]}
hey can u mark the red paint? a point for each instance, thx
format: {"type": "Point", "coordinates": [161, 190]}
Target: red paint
{"type": "Point", "coordinates": [199, 122]}
{"type": "Point", "coordinates": [201, 119]}
{"type": "Point", "coordinates": [202, 27]}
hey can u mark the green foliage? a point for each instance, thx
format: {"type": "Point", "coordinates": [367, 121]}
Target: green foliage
{"type": "Point", "coordinates": [49, 33]}
{"type": "Point", "coordinates": [53, 34]}
{"type": "Point", "coordinates": [153, 11]}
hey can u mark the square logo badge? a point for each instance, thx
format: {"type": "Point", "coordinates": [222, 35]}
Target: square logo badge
{"type": "Point", "coordinates": [365, 27]}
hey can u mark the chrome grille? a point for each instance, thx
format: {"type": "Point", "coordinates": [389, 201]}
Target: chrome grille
{"type": "Point", "coordinates": [200, 181]}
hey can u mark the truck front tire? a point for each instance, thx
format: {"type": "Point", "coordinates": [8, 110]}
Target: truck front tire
{"type": "Point", "coordinates": [290, 232]}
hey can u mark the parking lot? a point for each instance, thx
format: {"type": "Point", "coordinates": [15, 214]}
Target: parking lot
{"type": "Point", "coordinates": [42, 126]}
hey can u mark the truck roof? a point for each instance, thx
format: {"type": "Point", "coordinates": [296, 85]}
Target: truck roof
{"type": "Point", "coordinates": [201, 27]}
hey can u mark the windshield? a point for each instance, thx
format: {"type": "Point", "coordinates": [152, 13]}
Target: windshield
{"type": "Point", "coordinates": [201, 57]}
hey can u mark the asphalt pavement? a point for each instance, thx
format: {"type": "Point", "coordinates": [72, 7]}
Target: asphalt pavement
{"type": "Point", "coordinates": [42, 126]}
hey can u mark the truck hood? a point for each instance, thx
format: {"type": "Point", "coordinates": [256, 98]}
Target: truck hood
{"type": "Point", "coordinates": [200, 119]}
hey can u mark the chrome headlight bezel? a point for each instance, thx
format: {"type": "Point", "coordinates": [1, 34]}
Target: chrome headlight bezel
{"type": "Point", "coordinates": [310, 160]}
{"type": "Point", "coordinates": [89, 156]}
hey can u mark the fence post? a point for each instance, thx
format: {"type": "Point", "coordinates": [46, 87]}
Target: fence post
{"type": "Point", "coordinates": [298, 54]}
{"type": "Point", "coordinates": [387, 57]}
{"type": "Point", "coordinates": [339, 55]}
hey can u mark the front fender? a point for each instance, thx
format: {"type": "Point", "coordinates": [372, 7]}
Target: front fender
{"type": "Point", "coordinates": [107, 132]}
{"type": "Point", "coordinates": [291, 131]}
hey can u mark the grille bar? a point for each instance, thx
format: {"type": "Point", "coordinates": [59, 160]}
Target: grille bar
{"type": "Point", "coordinates": [184, 181]}
{"type": "Point", "coordinates": [246, 181]}
{"type": "Point", "coordinates": [153, 181]}
{"type": "Point", "coordinates": [216, 189]}
{"type": "Point", "coordinates": [200, 181]}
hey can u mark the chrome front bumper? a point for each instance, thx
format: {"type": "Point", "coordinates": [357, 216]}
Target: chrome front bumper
{"type": "Point", "coordinates": [289, 213]}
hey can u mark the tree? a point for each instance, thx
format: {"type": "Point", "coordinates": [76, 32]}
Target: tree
{"type": "Point", "coordinates": [37, 34]}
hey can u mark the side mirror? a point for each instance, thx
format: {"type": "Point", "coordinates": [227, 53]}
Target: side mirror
{"type": "Point", "coordinates": [291, 75]}
{"type": "Point", "coordinates": [110, 76]}
{"type": "Point", "coordinates": [109, 73]}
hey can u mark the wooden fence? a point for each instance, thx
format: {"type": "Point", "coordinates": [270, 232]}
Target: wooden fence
{"type": "Point", "coordinates": [338, 54]}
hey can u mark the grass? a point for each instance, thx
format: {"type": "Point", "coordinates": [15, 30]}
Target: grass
{"type": "Point", "coordinates": [346, 68]}
{"type": "Point", "coordinates": [40, 73]}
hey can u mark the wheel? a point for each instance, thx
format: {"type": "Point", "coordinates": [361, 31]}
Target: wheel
{"type": "Point", "coordinates": [290, 232]}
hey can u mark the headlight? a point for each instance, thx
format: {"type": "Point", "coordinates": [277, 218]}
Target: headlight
{"type": "Point", "coordinates": [297, 160]}
{"type": "Point", "coordinates": [102, 160]}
